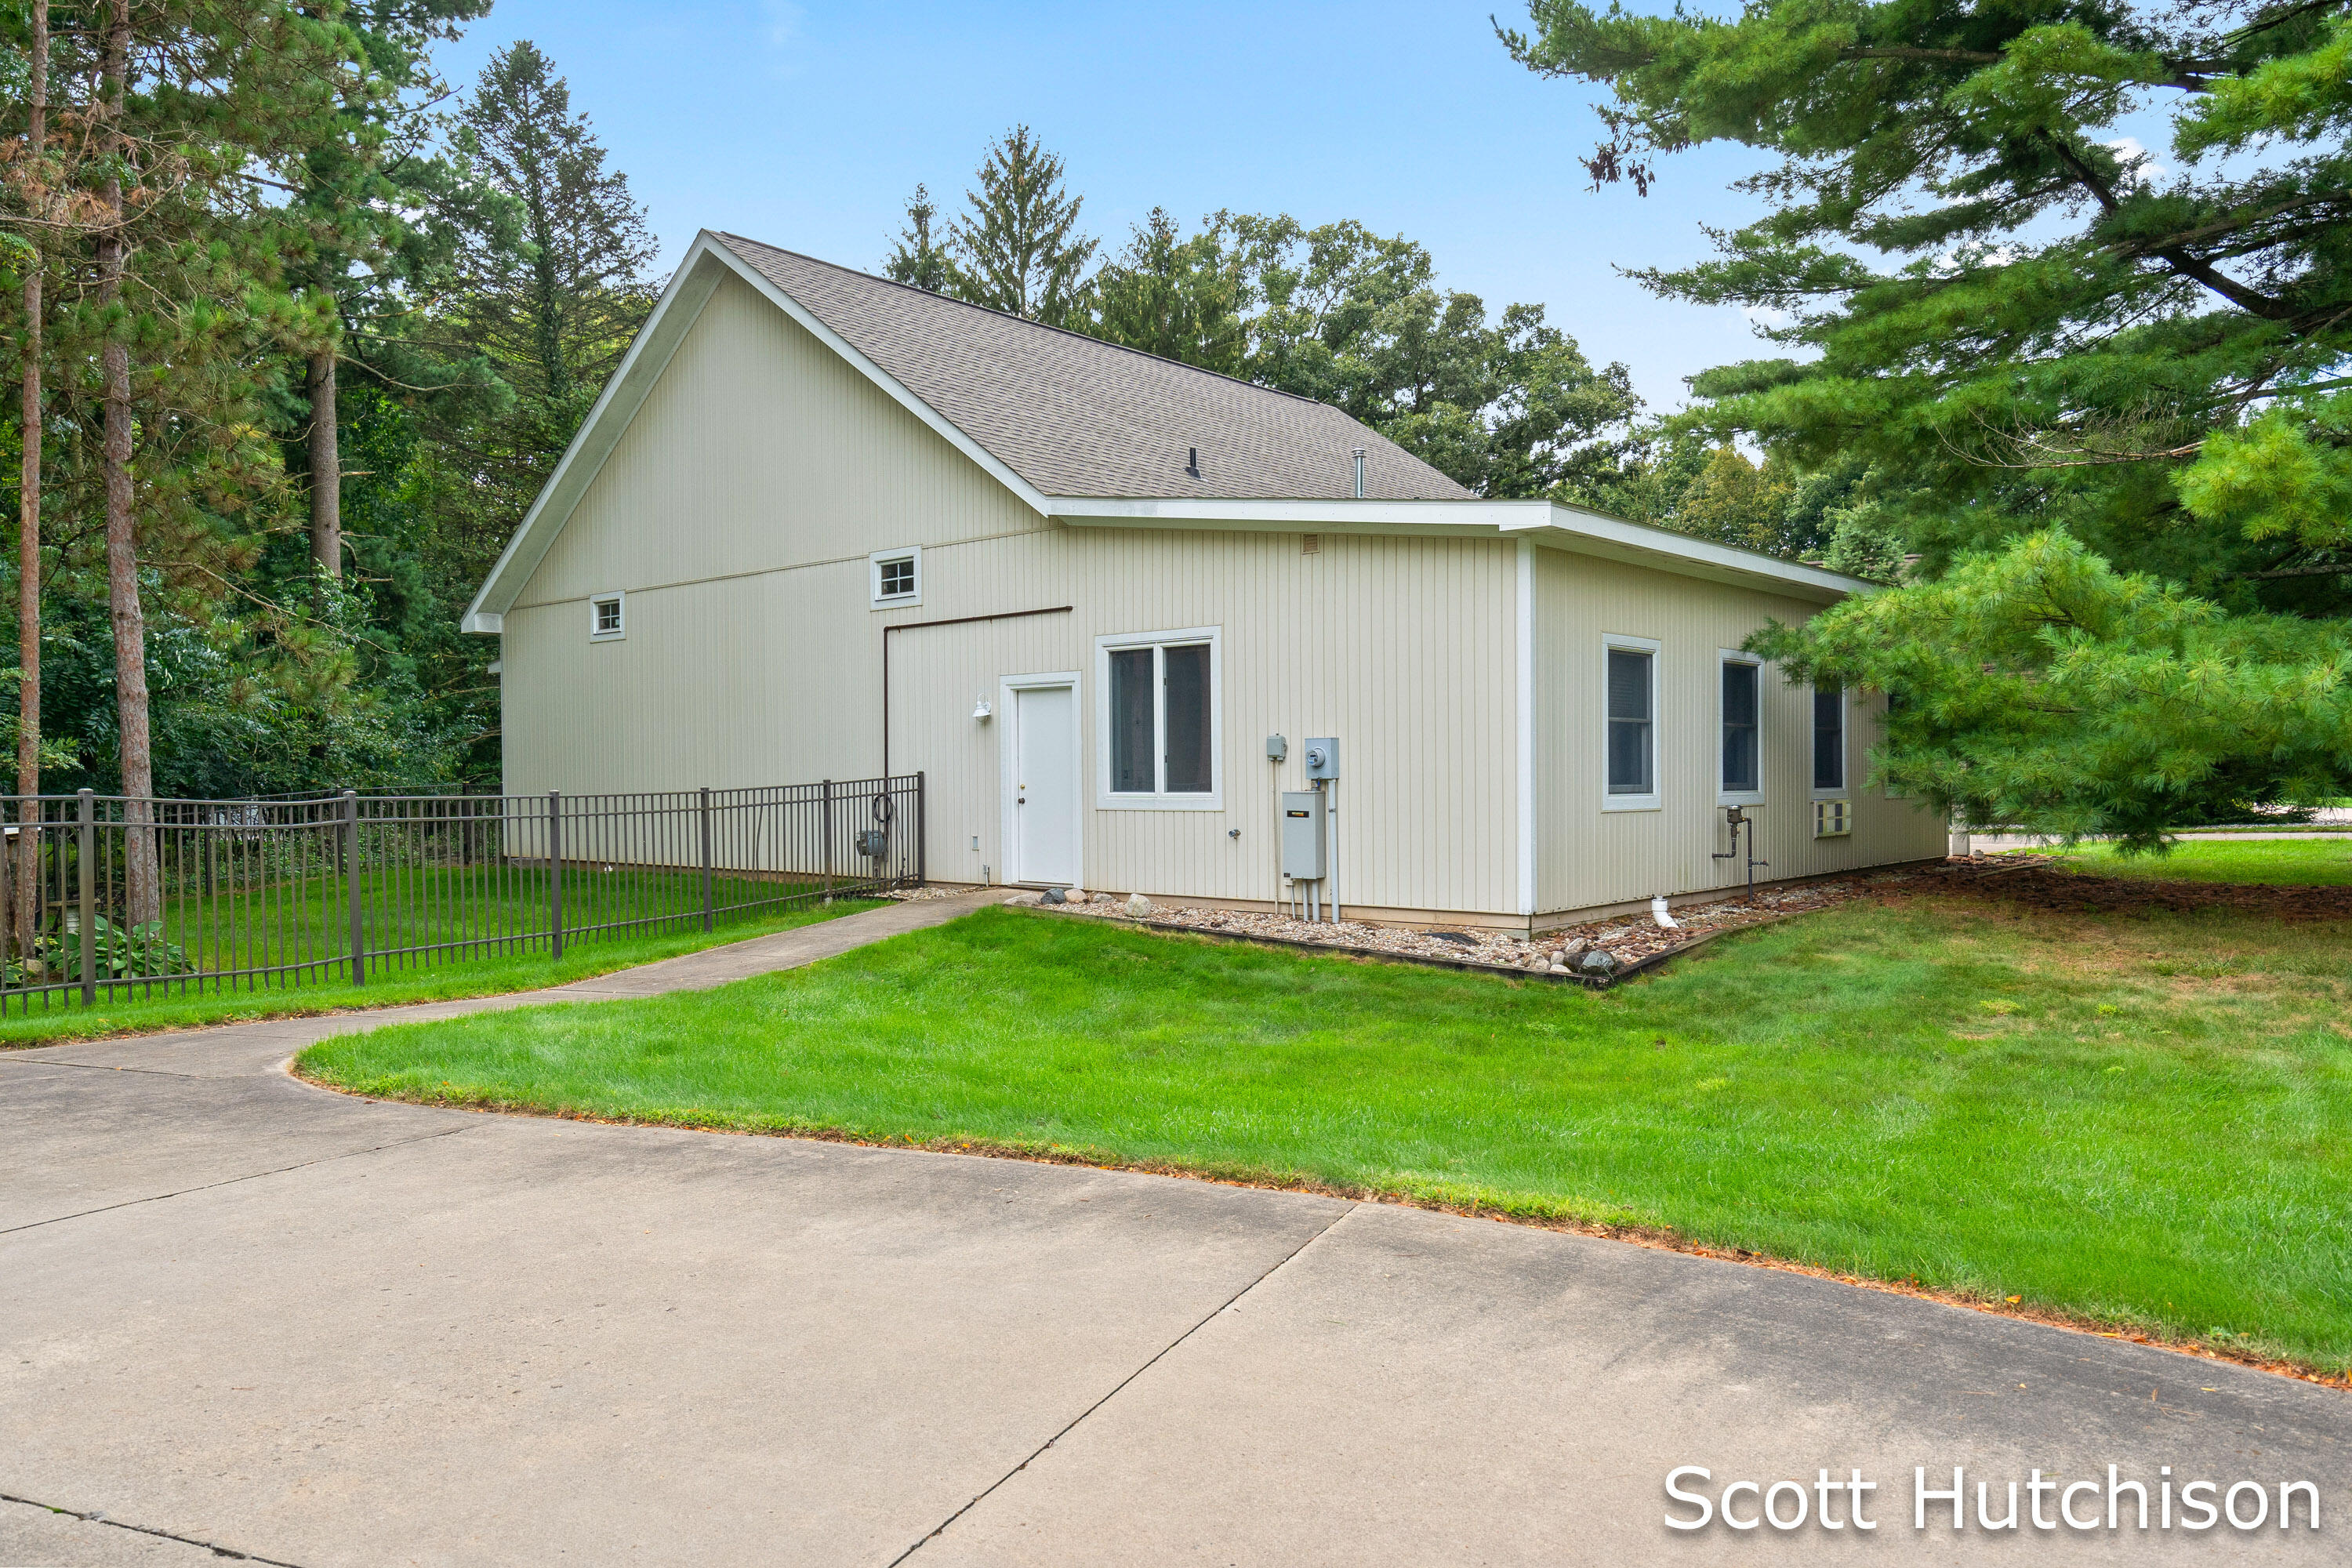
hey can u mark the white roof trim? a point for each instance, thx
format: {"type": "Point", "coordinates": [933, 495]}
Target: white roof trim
{"type": "Point", "coordinates": [690, 287]}
{"type": "Point", "coordinates": [1569, 527]}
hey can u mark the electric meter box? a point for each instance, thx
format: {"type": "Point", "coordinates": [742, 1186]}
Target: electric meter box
{"type": "Point", "coordinates": [1323, 757]}
{"type": "Point", "coordinates": [1302, 835]}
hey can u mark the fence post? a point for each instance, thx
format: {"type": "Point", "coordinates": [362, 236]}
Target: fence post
{"type": "Point", "coordinates": [351, 883]}
{"type": "Point", "coordinates": [555, 870]}
{"type": "Point", "coordinates": [922, 831]}
{"type": "Point", "coordinates": [89, 901]}
{"type": "Point", "coordinates": [828, 841]}
{"type": "Point", "coordinates": [706, 857]}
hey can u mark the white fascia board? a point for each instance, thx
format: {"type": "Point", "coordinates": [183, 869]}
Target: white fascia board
{"type": "Point", "coordinates": [1569, 527]}
{"type": "Point", "coordinates": [1292, 516]}
{"type": "Point", "coordinates": [1597, 534]}
{"type": "Point", "coordinates": [690, 287]}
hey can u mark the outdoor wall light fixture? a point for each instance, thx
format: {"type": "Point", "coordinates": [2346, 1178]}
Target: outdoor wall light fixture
{"type": "Point", "coordinates": [980, 711]}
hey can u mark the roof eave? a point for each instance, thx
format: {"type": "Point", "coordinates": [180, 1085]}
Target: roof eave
{"type": "Point", "coordinates": [708, 260]}
{"type": "Point", "coordinates": [1576, 529]}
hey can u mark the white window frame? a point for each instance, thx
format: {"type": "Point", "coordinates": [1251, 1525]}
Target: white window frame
{"type": "Point", "coordinates": [620, 602]}
{"type": "Point", "coordinates": [1844, 791]}
{"type": "Point", "coordinates": [1656, 800]}
{"type": "Point", "coordinates": [874, 565]}
{"type": "Point", "coordinates": [1723, 796]}
{"type": "Point", "coordinates": [1106, 799]}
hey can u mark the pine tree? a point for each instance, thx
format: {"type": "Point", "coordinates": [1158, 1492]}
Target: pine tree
{"type": "Point", "coordinates": [919, 258]}
{"type": "Point", "coordinates": [1018, 249]}
{"type": "Point", "coordinates": [555, 300]}
{"type": "Point", "coordinates": [2102, 398]}
{"type": "Point", "coordinates": [547, 289]}
{"type": "Point", "coordinates": [1171, 296]}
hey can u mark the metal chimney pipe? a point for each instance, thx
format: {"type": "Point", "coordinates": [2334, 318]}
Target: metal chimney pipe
{"type": "Point", "coordinates": [1360, 473]}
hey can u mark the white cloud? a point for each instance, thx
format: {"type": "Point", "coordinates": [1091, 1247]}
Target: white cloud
{"type": "Point", "coordinates": [1766, 317]}
{"type": "Point", "coordinates": [2140, 164]}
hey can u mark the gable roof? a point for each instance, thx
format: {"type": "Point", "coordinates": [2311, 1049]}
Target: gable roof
{"type": "Point", "coordinates": [1087, 433]}
{"type": "Point", "coordinates": [1077, 417]}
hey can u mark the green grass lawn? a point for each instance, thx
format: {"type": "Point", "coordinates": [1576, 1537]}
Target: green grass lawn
{"type": "Point", "coordinates": [389, 985]}
{"type": "Point", "coordinates": [295, 920]}
{"type": "Point", "coordinates": [2140, 1120]}
{"type": "Point", "coordinates": [2309, 862]}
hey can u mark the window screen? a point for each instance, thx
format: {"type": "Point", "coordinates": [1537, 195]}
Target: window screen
{"type": "Point", "coordinates": [1131, 722]}
{"type": "Point", "coordinates": [1739, 751]}
{"type": "Point", "coordinates": [1186, 669]}
{"type": "Point", "coordinates": [608, 617]}
{"type": "Point", "coordinates": [1829, 738]}
{"type": "Point", "coordinates": [1629, 722]}
{"type": "Point", "coordinates": [898, 578]}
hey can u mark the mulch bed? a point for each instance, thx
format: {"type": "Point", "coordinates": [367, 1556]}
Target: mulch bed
{"type": "Point", "coordinates": [2035, 882]}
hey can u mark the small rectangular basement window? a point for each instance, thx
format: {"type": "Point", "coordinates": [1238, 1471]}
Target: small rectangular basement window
{"type": "Point", "coordinates": [897, 577]}
{"type": "Point", "coordinates": [605, 622]}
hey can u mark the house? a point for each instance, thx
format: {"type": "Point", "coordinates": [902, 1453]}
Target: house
{"type": "Point", "coordinates": [821, 525]}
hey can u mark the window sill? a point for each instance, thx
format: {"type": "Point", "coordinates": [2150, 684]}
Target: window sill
{"type": "Point", "coordinates": [608, 636]}
{"type": "Point", "coordinates": [1632, 802]}
{"type": "Point", "coordinates": [1740, 798]}
{"type": "Point", "coordinates": [1160, 802]}
{"type": "Point", "coordinates": [903, 602]}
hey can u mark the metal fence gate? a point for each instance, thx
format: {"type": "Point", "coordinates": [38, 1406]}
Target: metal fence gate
{"type": "Point", "coordinates": [104, 897]}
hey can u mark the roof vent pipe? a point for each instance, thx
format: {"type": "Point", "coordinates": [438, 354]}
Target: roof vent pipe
{"type": "Point", "coordinates": [1193, 461]}
{"type": "Point", "coordinates": [1360, 473]}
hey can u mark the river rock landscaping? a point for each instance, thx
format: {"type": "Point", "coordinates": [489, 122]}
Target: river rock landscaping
{"type": "Point", "coordinates": [1594, 950]}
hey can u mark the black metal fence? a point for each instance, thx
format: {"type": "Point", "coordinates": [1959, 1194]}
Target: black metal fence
{"type": "Point", "coordinates": [106, 897]}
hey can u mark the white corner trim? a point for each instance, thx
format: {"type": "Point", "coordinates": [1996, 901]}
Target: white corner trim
{"type": "Point", "coordinates": [1527, 724]}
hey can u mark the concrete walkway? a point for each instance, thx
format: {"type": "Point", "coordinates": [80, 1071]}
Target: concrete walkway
{"type": "Point", "coordinates": [239, 1312]}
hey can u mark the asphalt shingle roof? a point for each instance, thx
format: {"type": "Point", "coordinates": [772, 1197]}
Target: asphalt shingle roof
{"type": "Point", "coordinates": [1076, 416]}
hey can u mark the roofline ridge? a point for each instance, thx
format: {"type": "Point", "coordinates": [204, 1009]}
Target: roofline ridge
{"type": "Point", "coordinates": [1047, 326]}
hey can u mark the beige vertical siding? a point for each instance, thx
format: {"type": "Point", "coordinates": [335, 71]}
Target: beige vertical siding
{"type": "Point", "coordinates": [736, 514]}
{"type": "Point", "coordinates": [1588, 856]}
{"type": "Point", "coordinates": [1400, 647]}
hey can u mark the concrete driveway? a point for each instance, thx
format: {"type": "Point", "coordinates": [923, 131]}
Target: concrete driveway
{"type": "Point", "coordinates": [241, 1314]}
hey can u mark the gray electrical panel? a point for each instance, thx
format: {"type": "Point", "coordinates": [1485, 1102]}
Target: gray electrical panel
{"type": "Point", "coordinates": [1302, 835]}
{"type": "Point", "coordinates": [1323, 758]}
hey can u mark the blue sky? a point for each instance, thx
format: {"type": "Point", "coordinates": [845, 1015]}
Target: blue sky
{"type": "Point", "coordinates": [807, 124]}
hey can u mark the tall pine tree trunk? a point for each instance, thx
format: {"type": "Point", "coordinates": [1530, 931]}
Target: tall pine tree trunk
{"type": "Point", "coordinates": [142, 893]}
{"type": "Point", "coordinates": [326, 466]}
{"type": "Point", "coordinates": [27, 885]}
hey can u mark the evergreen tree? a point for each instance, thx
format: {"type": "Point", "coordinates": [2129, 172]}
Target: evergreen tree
{"type": "Point", "coordinates": [1018, 249]}
{"type": "Point", "coordinates": [2102, 398]}
{"type": "Point", "coordinates": [920, 258]}
{"type": "Point", "coordinates": [547, 289]}
{"type": "Point", "coordinates": [1171, 296]}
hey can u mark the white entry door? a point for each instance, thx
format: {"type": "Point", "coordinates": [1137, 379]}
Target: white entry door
{"type": "Point", "coordinates": [1046, 784]}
